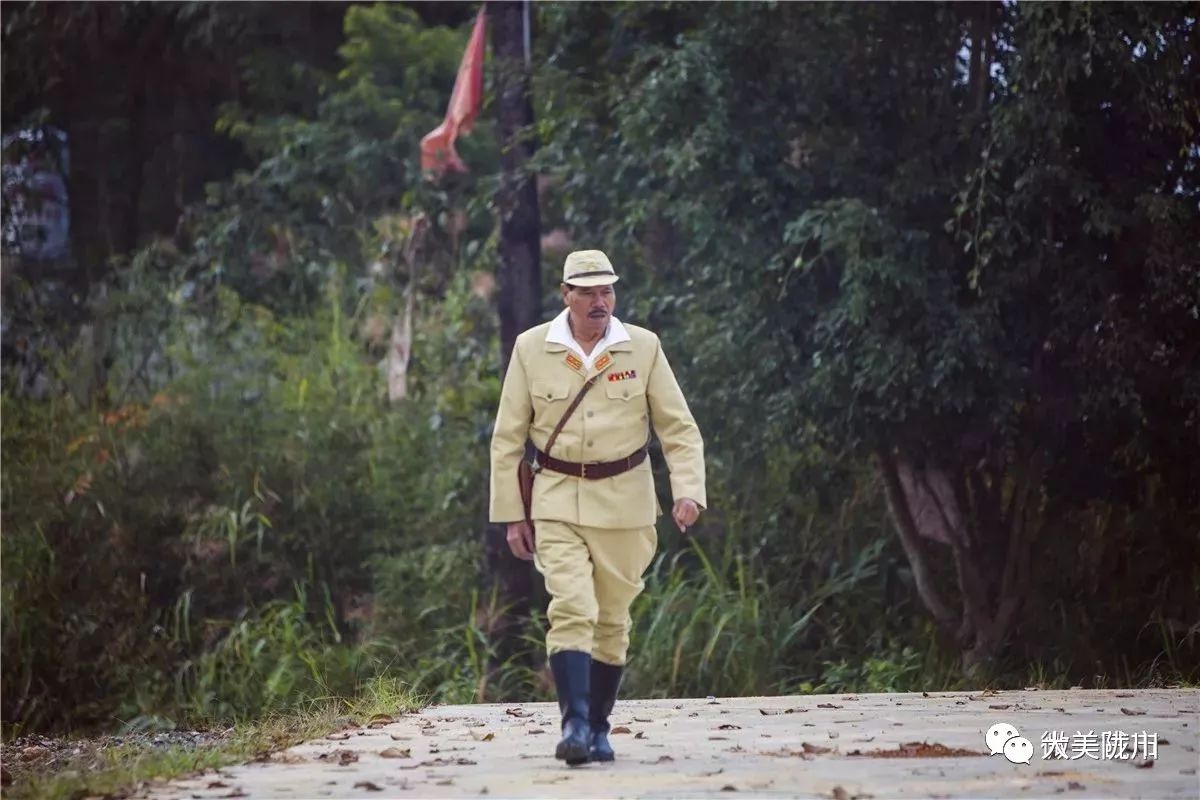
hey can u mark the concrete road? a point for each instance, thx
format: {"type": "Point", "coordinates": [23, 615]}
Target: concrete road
{"type": "Point", "coordinates": [828, 746]}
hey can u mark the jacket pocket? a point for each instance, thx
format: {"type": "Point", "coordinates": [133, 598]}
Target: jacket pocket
{"type": "Point", "coordinates": [548, 392]}
{"type": "Point", "coordinates": [625, 390]}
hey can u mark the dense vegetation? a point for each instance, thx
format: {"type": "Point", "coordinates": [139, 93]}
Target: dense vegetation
{"type": "Point", "coordinates": [927, 273]}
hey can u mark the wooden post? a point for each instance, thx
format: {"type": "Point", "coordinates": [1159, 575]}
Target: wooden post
{"type": "Point", "coordinates": [509, 580]}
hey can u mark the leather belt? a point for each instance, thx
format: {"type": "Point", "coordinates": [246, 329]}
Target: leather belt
{"type": "Point", "coordinates": [596, 471]}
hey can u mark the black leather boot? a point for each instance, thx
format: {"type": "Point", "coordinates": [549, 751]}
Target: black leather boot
{"type": "Point", "coordinates": [572, 676]}
{"type": "Point", "coordinates": [606, 679]}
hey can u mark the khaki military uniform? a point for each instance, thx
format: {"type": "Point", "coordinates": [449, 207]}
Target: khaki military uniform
{"type": "Point", "coordinates": [594, 538]}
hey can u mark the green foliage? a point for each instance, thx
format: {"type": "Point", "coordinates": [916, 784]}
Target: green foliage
{"type": "Point", "coordinates": [168, 529]}
{"type": "Point", "coordinates": [912, 240]}
{"type": "Point", "coordinates": [890, 239]}
{"type": "Point", "coordinates": [322, 183]}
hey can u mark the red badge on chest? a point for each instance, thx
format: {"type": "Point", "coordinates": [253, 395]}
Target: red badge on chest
{"type": "Point", "coordinates": [627, 375]}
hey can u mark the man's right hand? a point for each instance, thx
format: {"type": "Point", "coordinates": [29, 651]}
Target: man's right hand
{"type": "Point", "coordinates": [520, 540]}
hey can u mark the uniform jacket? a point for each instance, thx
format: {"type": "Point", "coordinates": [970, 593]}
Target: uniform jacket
{"type": "Point", "coordinates": [636, 391]}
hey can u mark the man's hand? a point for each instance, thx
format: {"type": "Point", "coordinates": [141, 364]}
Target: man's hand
{"type": "Point", "coordinates": [685, 512]}
{"type": "Point", "coordinates": [520, 540]}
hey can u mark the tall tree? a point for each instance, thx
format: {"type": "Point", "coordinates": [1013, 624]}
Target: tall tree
{"type": "Point", "coordinates": [912, 238]}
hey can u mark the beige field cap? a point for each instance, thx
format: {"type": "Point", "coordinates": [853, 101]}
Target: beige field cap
{"type": "Point", "coordinates": [588, 268]}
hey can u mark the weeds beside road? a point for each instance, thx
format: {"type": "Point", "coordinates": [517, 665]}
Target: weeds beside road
{"type": "Point", "coordinates": [114, 766]}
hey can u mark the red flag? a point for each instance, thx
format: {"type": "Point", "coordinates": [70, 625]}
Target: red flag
{"type": "Point", "coordinates": [437, 148]}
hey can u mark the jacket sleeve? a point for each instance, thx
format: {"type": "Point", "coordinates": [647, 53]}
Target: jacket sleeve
{"type": "Point", "coordinates": [508, 442]}
{"type": "Point", "coordinates": [677, 431]}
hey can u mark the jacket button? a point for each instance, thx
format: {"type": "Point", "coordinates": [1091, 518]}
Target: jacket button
{"type": "Point", "coordinates": [590, 442]}
{"type": "Point", "coordinates": [625, 393]}
{"type": "Point", "coordinates": [591, 413]}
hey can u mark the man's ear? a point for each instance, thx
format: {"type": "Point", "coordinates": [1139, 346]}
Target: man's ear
{"type": "Point", "coordinates": [562, 290]}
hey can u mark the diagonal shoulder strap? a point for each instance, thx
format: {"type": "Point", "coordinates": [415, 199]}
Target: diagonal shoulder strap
{"type": "Point", "coordinates": [570, 410]}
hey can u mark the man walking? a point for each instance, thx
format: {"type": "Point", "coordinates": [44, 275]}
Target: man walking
{"type": "Point", "coordinates": [586, 390]}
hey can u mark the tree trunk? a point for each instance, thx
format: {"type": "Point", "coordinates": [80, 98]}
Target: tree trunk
{"type": "Point", "coordinates": [510, 580]}
{"type": "Point", "coordinates": [990, 550]}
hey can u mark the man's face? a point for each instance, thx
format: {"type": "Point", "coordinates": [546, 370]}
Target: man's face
{"type": "Point", "coordinates": [590, 306]}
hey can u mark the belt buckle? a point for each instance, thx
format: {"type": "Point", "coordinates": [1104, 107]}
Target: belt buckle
{"type": "Point", "coordinates": [534, 466]}
{"type": "Point", "coordinates": [583, 470]}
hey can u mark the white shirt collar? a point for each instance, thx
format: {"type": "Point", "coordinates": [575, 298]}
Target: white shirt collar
{"type": "Point", "coordinates": [560, 333]}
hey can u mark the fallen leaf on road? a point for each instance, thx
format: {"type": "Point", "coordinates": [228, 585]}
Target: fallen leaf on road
{"type": "Point", "coordinates": [917, 750]}
{"type": "Point", "coordinates": [448, 762]}
{"type": "Point", "coordinates": [660, 760]}
{"type": "Point", "coordinates": [1001, 707]}
{"type": "Point", "coordinates": [827, 705]}
{"type": "Point", "coordinates": [729, 787]}
{"type": "Point", "coordinates": [532, 731]}
{"type": "Point", "coordinates": [447, 782]}
{"type": "Point", "coordinates": [1124, 694]}
{"type": "Point", "coordinates": [379, 720]}
{"type": "Point", "coordinates": [517, 712]}
{"type": "Point", "coordinates": [283, 758]}
{"type": "Point", "coordinates": [1133, 712]}
{"type": "Point", "coordinates": [786, 753]}
{"type": "Point", "coordinates": [640, 735]}
{"type": "Point", "coordinates": [711, 774]}
{"type": "Point", "coordinates": [217, 785]}
{"type": "Point", "coordinates": [841, 794]}
{"type": "Point", "coordinates": [338, 737]}
{"type": "Point", "coordinates": [620, 729]}
{"type": "Point", "coordinates": [718, 738]}
{"type": "Point", "coordinates": [729, 727]}
{"type": "Point", "coordinates": [814, 748]}
{"type": "Point", "coordinates": [370, 787]}
{"type": "Point", "coordinates": [1147, 764]}
{"type": "Point", "coordinates": [398, 737]}
{"type": "Point", "coordinates": [343, 757]}
{"type": "Point", "coordinates": [396, 752]}
{"type": "Point", "coordinates": [639, 719]}
{"type": "Point", "coordinates": [1075, 786]}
